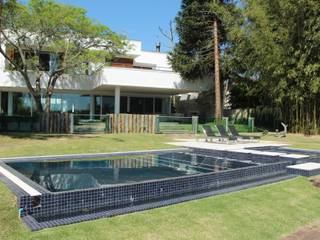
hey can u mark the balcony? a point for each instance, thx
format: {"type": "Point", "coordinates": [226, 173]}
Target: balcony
{"type": "Point", "coordinates": [144, 80]}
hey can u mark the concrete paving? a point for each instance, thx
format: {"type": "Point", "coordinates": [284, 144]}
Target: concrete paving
{"type": "Point", "coordinates": [241, 147]}
{"type": "Point", "coordinates": [306, 166]}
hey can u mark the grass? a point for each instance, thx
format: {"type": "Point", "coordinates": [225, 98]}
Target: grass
{"type": "Point", "coordinates": [37, 144]}
{"type": "Point", "coordinates": [297, 141]}
{"type": "Point", "coordinates": [266, 212]}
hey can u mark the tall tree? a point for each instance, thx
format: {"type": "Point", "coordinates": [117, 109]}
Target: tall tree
{"type": "Point", "coordinates": [78, 46]}
{"type": "Point", "coordinates": [201, 33]}
{"type": "Point", "coordinates": [276, 51]}
{"type": "Point", "coordinates": [217, 84]}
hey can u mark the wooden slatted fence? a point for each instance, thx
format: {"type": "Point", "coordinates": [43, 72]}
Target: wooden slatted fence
{"type": "Point", "coordinates": [54, 122]}
{"type": "Point", "coordinates": [132, 123]}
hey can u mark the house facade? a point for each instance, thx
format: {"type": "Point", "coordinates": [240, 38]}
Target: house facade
{"type": "Point", "coordinates": [140, 83]}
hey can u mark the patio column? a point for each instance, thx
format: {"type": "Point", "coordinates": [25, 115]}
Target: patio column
{"type": "Point", "coordinates": [10, 104]}
{"type": "Point", "coordinates": [169, 107]}
{"type": "Point", "coordinates": [92, 107]}
{"type": "Point", "coordinates": [117, 100]}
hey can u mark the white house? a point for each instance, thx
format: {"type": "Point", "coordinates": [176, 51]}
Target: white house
{"type": "Point", "coordinates": [141, 83]}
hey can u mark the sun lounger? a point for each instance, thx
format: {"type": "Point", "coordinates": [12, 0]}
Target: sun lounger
{"type": "Point", "coordinates": [207, 130]}
{"type": "Point", "coordinates": [224, 136]}
{"type": "Point", "coordinates": [236, 134]}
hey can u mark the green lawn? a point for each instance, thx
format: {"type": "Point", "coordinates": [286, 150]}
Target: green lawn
{"type": "Point", "coordinates": [297, 141]}
{"type": "Point", "coordinates": [266, 212]}
{"type": "Point", "coordinates": [31, 145]}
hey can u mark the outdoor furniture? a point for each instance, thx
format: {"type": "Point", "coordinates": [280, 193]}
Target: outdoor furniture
{"type": "Point", "coordinates": [207, 130]}
{"type": "Point", "coordinates": [236, 134]}
{"type": "Point", "coordinates": [224, 134]}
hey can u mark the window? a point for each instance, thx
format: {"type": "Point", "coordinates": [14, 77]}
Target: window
{"type": "Point", "coordinates": [14, 56]}
{"type": "Point", "coordinates": [47, 61]}
{"type": "Point", "coordinates": [4, 103]}
{"type": "Point", "coordinates": [145, 68]}
{"type": "Point", "coordinates": [148, 106]}
{"type": "Point", "coordinates": [44, 61]}
{"type": "Point", "coordinates": [122, 62]}
{"type": "Point", "coordinates": [107, 104]}
{"type": "Point", "coordinates": [56, 103]}
{"type": "Point", "coordinates": [158, 105]}
{"type": "Point", "coordinates": [141, 105]}
{"type": "Point", "coordinates": [97, 105]}
{"type": "Point", "coordinates": [123, 104]}
{"type": "Point", "coordinates": [72, 103]}
{"type": "Point", "coordinates": [22, 104]}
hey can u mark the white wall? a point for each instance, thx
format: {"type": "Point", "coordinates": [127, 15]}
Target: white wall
{"type": "Point", "coordinates": [143, 79]}
{"type": "Point", "coordinates": [160, 80]}
{"type": "Point", "coordinates": [158, 60]}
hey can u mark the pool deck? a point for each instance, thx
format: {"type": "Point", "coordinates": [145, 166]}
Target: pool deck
{"type": "Point", "coordinates": [241, 147]}
{"type": "Point", "coordinates": [306, 166]}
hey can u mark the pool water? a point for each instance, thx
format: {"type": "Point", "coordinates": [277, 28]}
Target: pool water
{"type": "Point", "coordinates": [60, 176]}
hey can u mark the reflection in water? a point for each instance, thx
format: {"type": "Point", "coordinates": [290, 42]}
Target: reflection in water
{"type": "Point", "coordinates": [95, 173]}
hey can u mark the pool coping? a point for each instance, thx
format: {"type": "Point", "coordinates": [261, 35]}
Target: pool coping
{"type": "Point", "coordinates": [88, 155]}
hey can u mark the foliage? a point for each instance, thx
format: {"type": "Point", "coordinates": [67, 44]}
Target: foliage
{"type": "Point", "coordinates": [270, 53]}
{"type": "Point", "coordinates": [275, 56]}
{"type": "Point", "coordinates": [196, 55]}
{"type": "Point", "coordinates": [78, 43]}
{"type": "Point", "coordinates": [192, 56]}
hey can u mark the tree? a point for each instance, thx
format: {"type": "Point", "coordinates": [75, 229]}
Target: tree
{"type": "Point", "coordinates": [217, 87]}
{"type": "Point", "coordinates": [201, 33]}
{"type": "Point", "coordinates": [77, 44]}
{"type": "Point", "coordinates": [169, 35]}
{"type": "Point", "coordinates": [275, 52]}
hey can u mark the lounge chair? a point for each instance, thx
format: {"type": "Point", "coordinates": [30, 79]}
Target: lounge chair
{"type": "Point", "coordinates": [207, 130]}
{"type": "Point", "coordinates": [236, 134]}
{"type": "Point", "coordinates": [224, 134]}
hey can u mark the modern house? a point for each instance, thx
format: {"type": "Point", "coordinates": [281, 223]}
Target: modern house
{"type": "Point", "coordinates": [140, 83]}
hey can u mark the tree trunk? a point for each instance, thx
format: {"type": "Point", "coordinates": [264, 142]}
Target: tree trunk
{"type": "Point", "coordinates": [217, 88]}
{"type": "Point", "coordinates": [1, 6]}
{"type": "Point", "coordinates": [37, 101]}
{"type": "Point", "coordinates": [48, 103]}
{"type": "Point", "coordinates": [1, 10]}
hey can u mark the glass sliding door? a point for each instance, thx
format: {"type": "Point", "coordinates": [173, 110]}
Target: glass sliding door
{"type": "Point", "coordinates": [141, 105]}
{"type": "Point", "coordinates": [22, 104]}
{"type": "Point", "coordinates": [72, 103]}
{"type": "Point", "coordinates": [148, 106]}
{"type": "Point", "coordinates": [97, 105]}
{"type": "Point", "coordinates": [4, 103]}
{"type": "Point", "coordinates": [107, 105]}
{"type": "Point", "coordinates": [158, 105]}
{"type": "Point", "coordinates": [136, 105]}
{"type": "Point", "coordinates": [123, 104]}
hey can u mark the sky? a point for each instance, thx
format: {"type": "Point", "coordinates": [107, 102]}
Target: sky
{"type": "Point", "coordinates": [136, 19]}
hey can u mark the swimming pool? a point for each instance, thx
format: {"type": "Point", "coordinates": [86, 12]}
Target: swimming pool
{"type": "Point", "coordinates": [59, 190]}
{"type": "Point", "coordinates": [60, 176]}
